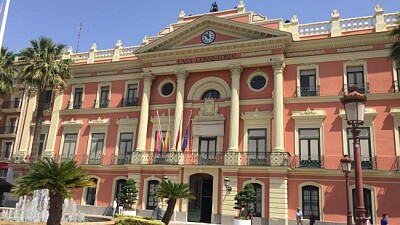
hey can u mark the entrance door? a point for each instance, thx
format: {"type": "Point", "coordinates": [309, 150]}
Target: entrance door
{"type": "Point", "coordinates": [200, 209]}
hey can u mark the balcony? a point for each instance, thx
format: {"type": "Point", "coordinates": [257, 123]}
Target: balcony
{"type": "Point", "coordinates": [125, 102]}
{"type": "Point", "coordinates": [92, 159]}
{"type": "Point", "coordinates": [361, 88]}
{"type": "Point", "coordinates": [11, 106]}
{"type": "Point", "coordinates": [309, 161]}
{"type": "Point", "coordinates": [367, 162]}
{"type": "Point", "coordinates": [121, 159]}
{"type": "Point", "coordinates": [7, 131]}
{"type": "Point", "coordinates": [307, 91]}
{"type": "Point", "coordinates": [103, 103]}
{"type": "Point", "coordinates": [74, 105]}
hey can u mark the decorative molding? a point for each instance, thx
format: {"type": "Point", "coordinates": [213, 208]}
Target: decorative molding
{"type": "Point", "coordinates": [72, 124]}
{"type": "Point", "coordinates": [164, 63]}
{"type": "Point", "coordinates": [256, 115]}
{"type": "Point", "coordinates": [369, 113]}
{"type": "Point", "coordinates": [127, 121]}
{"type": "Point", "coordinates": [133, 70]}
{"type": "Point", "coordinates": [354, 49]}
{"type": "Point", "coordinates": [106, 73]}
{"type": "Point", "coordinates": [316, 52]}
{"type": "Point", "coordinates": [257, 53]}
{"type": "Point", "coordinates": [82, 75]}
{"type": "Point", "coordinates": [308, 114]}
{"type": "Point", "coordinates": [99, 122]}
{"type": "Point", "coordinates": [236, 69]}
{"type": "Point", "coordinates": [181, 74]}
{"type": "Point", "coordinates": [278, 66]}
{"type": "Point", "coordinates": [148, 76]}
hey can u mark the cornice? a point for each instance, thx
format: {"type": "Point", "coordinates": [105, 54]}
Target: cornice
{"type": "Point", "coordinates": [99, 110]}
{"type": "Point", "coordinates": [106, 66]}
{"type": "Point", "coordinates": [325, 99]}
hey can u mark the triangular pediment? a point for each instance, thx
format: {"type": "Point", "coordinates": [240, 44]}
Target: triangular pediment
{"type": "Point", "coordinates": [226, 31]}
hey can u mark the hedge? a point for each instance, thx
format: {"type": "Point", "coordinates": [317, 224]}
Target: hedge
{"type": "Point", "coordinates": [135, 220]}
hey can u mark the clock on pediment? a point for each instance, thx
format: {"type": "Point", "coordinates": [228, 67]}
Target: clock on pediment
{"type": "Point", "coordinates": [208, 37]}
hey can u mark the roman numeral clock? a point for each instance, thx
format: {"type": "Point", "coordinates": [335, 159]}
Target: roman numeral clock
{"type": "Point", "coordinates": [208, 37]}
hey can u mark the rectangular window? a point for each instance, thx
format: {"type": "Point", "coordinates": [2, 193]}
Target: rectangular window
{"type": "Point", "coordinates": [365, 147]}
{"type": "Point", "coordinates": [104, 93]}
{"type": "Point", "coordinates": [125, 148]}
{"type": "Point", "coordinates": [310, 197]}
{"type": "Point", "coordinates": [131, 95]}
{"type": "Point", "coordinates": [96, 148]}
{"type": "Point", "coordinates": [12, 125]}
{"type": "Point", "coordinates": [69, 147]}
{"type": "Point", "coordinates": [257, 146]}
{"type": "Point", "coordinates": [308, 83]}
{"type": "Point", "coordinates": [78, 98]}
{"type": "Point", "coordinates": [47, 99]}
{"type": "Point", "coordinates": [355, 78]}
{"type": "Point", "coordinates": [207, 150]}
{"type": "Point", "coordinates": [91, 193]}
{"type": "Point", "coordinates": [41, 144]}
{"type": "Point", "coordinates": [7, 150]}
{"type": "Point", "coordinates": [152, 202]}
{"type": "Point", "coordinates": [309, 149]}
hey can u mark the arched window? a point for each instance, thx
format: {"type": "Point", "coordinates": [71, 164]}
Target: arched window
{"type": "Point", "coordinates": [310, 204]}
{"type": "Point", "coordinates": [258, 206]}
{"type": "Point", "coordinates": [118, 186]}
{"type": "Point", "coordinates": [152, 201]}
{"type": "Point", "coordinates": [211, 94]}
{"type": "Point", "coordinates": [367, 203]}
{"type": "Point", "coordinates": [91, 193]}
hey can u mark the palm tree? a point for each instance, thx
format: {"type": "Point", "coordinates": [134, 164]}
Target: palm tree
{"type": "Point", "coordinates": [395, 48]}
{"type": "Point", "coordinates": [7, 72]}
{"type": "Point", "coordinates": [59, 179]}
{"type": "Point", "coordinates": [44, 69]}
{"type": "Point", "coordinates": [173, 192]}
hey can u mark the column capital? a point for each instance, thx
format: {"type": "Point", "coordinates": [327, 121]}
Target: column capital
{"type": "Point", "coordinates": [236, 69]}
{"type": "Point", "coordinates": [148, 76]}
{"type": "Point", "coordinates": [278, 66]}
{"type": "Point", "coordinates": [181, 74]}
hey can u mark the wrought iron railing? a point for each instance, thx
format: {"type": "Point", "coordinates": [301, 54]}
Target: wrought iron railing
{"type": "Point", "coordinates": [16, 104]}
{"type": "Point", "coordinates": [74, 105]}
{"type": "Point", "coordinates": [121, 159]}
{"type": "Point", "coordinates": [307, 91]}
{"type": "Point", "coordinates": [103, 103]}
{"type": "Point", "coordinates": [92, 159]}
{"type": "Point", "coordinates": [7, 129]}
{"type": "Point", "coordinates": [309, 161]}
{"type": "Point", "coordinates": [361, 88]}
{"type": "Point", "coordinates": [129, 102]}
{"type": "Point", "coordinates": [367, 162]}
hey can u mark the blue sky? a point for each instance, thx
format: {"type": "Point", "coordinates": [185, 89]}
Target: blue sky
{"type": "Point", "coordinates": [106, 21]}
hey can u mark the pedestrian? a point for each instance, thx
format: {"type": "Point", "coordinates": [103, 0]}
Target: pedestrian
{"type": "Point", "coordinates": [385, 219]}
{"type": "Point", "coordinates": [159, 211]}
{"type": "Point", "coordinates": [312, 219]}
{"type": "Point", "coordinates": [299, 214]}
{"type": "Point", "coordinates": [368, 219]}
{"type": "Point", "coordinates": [115, 205]}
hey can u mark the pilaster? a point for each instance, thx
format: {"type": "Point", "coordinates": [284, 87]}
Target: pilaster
{"type": "Point", "coordinates": [278, 68]}
{"type": "Point", "coordinates": [144, 111]}
{"type": "Point", "coordinates": [181, 76]}
{"type": "Point", "coordinates": [236, 71]}
{"type": "Point", "coordinates": [26, 129]}
{"type": "Point", "coordinates": [55, 115]}
{"type": "Point", "coordinates": [278, 200]}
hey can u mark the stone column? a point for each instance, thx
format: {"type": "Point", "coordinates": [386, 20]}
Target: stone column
{"type": "Point", "coordinates": [181, 76]}
{"type": "Point", "coordinates": [278, 106]}
{"type": "Point", "coordinates": [144, 112]}
{"type": "Point", "coordinates": [236, 70]}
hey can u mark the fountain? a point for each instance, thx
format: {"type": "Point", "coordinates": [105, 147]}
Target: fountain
{"type": "Point", "coordinates": [35, 209]}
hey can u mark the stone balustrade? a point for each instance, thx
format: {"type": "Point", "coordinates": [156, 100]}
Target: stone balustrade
{"type": "Point", "coordinates": [360, 23]}
{"type": "Point", "coordinates": [315, 28]}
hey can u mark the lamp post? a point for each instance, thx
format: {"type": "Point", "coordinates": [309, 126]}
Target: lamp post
{"type": "Point", "coordinates": [346, 167]}
{"type": "Point", "coordinates": [354, 105]}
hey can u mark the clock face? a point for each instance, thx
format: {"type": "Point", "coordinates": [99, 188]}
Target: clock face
{"type": "Point", "coordinates": [208, 37]}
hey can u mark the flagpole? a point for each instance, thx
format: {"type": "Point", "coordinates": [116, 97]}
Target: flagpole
{"type": "Point", "coordinates": [186, 137]}
{"type": "Point", "coordinates": [160, 129]}
{"type": "Point", "coordinates": [169, 127]}
{"type": "Point", "coordinates": [3, 22]}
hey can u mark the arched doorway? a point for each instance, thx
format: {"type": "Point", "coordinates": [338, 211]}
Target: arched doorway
{"type": "Point", "coordinates": [200, 209]}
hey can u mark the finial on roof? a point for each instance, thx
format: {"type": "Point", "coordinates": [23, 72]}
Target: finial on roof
{"type": "Point", "coordinates": [295, 19]}
{"type": "Point", "coordinates": [69, 50]}
{"type": "Point", "coordinates": [118, 44]}
{"type": "Point", "coordinates": [240, 7]}
{"type": "Point", "coordinates": [214, 7]}
{"type": "Point", "coordinates": [378, 8]}
{"type": "Point", "coordinates": [335, 13]}
{"type": "Point", "coordinates": [94, 46]}
{"type": "Point", "coordinates": [182, 14]}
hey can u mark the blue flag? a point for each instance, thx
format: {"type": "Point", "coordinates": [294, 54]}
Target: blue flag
{"type": "Point", "coordinates": [185, 140]}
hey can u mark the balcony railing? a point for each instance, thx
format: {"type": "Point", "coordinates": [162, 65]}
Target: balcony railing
{"type": "Point", "coordinates": [92, 159]}
{"type": "Point", "coordinates": [307, 91]}
{"type": "Point", "coordinates": [5, 155]}
{"type": "Point", "coordinates": [103, 103]}
{"type": "Point", "coordinates": [129, 102]}
{"type": "Point", "coordinates": [74, 105]}
{"type": "Point", "coordinates": [16, 104]}
{"type": "Point", "coordinates": [309, 161]}
{"type": "Point", "coordinates": [121, 159]}
{"type": "Point", "coordinates": [7, 129]}
{"type": "Point", "coordinates": [361, 88]}
{"type": "Point", "coordinates": [367, 162]}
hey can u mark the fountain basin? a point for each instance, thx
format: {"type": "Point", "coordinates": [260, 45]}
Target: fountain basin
{"type": "Point", "coordinates": [89, 220]}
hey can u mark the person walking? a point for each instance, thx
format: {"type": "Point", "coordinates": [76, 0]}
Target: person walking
{"type": "Point", "coordinates": [159, 211]}
{"type": "Point", "coordinates": [312, 219]}
{"type": "Point", "coordinates": [385, 219]}
{"type": "Point", "coordinates": [114, 206]}
{"type": "Point", "coordinates": [299, 214]}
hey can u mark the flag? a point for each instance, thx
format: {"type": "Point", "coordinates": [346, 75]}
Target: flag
{"type": "Point", "coordinates": [166, 141]}
{"type": "Point", "coordinates": [157, 147]}
{"type": "Point", "coordinates": [185, 140]}
{"type": "Point", "coordinates": [178, 138]}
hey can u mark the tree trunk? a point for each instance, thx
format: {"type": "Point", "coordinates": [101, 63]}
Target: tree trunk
{"type": "Point", "coordinates": [55, 210]}
{"type": "Point", "coordinates": [38, 127]}
{"type": "Point", "coordinates": [170, 210]}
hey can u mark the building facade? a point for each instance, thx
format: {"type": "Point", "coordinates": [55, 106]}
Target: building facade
{"type": "Point", "coordinates": [241, 98]}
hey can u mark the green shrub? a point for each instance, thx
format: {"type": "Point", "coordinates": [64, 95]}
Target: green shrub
{"type": "Point", "coordinates": [135, 220]}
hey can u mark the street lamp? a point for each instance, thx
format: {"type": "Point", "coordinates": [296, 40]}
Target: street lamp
{"type": "Point", "coordinates": [346, 167]}
{"type": "Point", "coordinates": [354, 105]}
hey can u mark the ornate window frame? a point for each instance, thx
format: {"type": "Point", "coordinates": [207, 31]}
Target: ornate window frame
{"type": "Point", "coordinates": [126, 125]}
{"type": "Point", "coordinates": [354, 63]}
{"type": "Point", "coordinates": [113, 190]}
{"type": "Point", "coordinates": [306, 67]}
{"type": "Point", "coordinates": [369, 117]}
{"type": "Point", "coordinates": [308, 119]}
{"type": "Point", "coordinates": [98, 96]}
{"type": "Point", "coordinates": [71, 126]}
{"type": "Point", "coordinates": [257, 72]}
{"type": "Point", "coordinates": [161, 85]}
{"type": "Point", "coordinates": [146, 187]}
{"type": "Point", "coordinates": [84, 191]}
{"type": "Point", "coordinates": [320, 195]}
{"type": "Point", "coordinates": [208, 83]}
{"type": "Point", "coordinates": [255, 120]}
{"type": "Point", "coordinates": [98, 126]}
{"type": "Point", "coordinates": [373, 200]}
{"type": "Point", "coordinates": [72, 97]}
{"type": "Point", "coordinates": [263, 203]}
{"type": "Point", "coordinates": [395, 112]}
